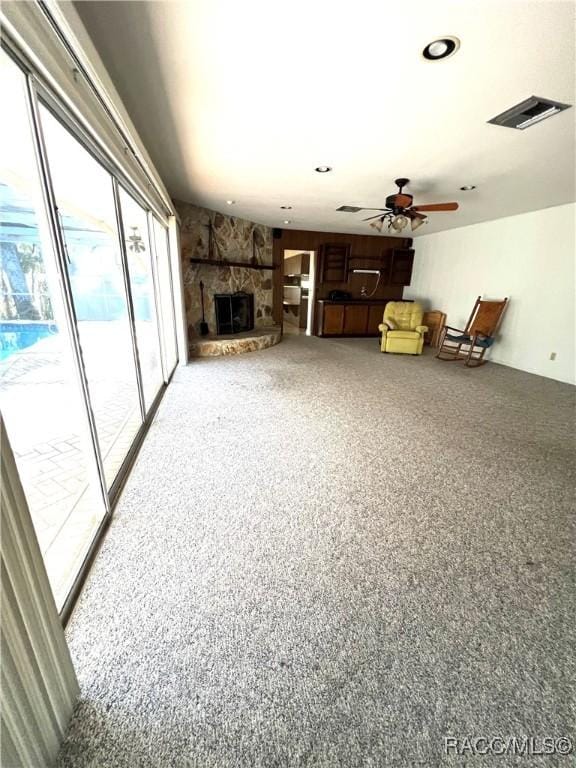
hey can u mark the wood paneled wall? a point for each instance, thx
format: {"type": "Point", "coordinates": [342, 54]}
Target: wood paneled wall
{"type": "Point", "coordinates": [366, 251]}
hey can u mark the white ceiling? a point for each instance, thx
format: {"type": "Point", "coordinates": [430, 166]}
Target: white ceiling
{"type": "Point", "coordinates": [242, 100]}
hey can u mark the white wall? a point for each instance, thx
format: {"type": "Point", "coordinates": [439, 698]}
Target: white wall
{"type": "Point", "coordinates": [531, 259]}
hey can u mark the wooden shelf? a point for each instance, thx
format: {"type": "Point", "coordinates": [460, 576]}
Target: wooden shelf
{"type": "Point", "coordinates": [223, 263]}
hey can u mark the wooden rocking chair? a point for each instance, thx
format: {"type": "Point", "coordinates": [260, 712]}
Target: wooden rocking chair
{"type": "Point", "coordinates": [478, 335]}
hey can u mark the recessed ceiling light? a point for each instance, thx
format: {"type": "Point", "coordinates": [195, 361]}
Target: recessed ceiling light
{"type": "Point", "coordinates": [287, 221]}
{"type": "Point", "coordinates": [323, 169]}
{"type": "Point", "coordinates": [230, 202]}
{"type": "Point", "coordinates": [286, 207]}
{"type": "Point", "coordinates": [468, 187]}
{"type": "Point", "coordinates": [441, 48]}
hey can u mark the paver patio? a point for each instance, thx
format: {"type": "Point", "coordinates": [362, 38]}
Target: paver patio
{"type": "Point", "coordinates": [39, 399]}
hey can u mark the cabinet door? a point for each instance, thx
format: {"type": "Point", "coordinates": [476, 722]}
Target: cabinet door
{"type": "Point", "coordinates": [401, 271]}
{"type": "Point", "coordinates": [375, 317]}
{"type": "Point", "coordinates": [386, 265]}
{"type": "Point", "coordinates": [335, 263]}
{"type": "Point", "coordinates": [355, 320]}
{"type": "Point", "coordinates": [333, 320]}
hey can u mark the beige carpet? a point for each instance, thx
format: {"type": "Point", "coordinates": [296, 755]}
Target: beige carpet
{"type": "Point", "coordinates": [326, 556]}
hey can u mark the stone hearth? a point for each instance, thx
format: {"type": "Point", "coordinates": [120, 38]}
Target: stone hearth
{"type": "Point", "coordinates": [236, 344]}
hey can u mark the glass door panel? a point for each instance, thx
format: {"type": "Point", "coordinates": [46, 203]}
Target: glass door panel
{"type": "Point", "coordinates": [40, 391]}
{"type": "Point", "coordinates": [135, 225]}
{"type": "Point", "coordinates": [166, 296]}
{"type": "Point", "coordinates": [85, 199]}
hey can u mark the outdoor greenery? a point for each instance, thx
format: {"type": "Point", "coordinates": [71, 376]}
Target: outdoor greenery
{"type": "Point", "coordinates": [23, 285]}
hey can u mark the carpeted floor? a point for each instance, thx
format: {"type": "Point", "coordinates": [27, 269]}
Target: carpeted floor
{"type": "Point", "coordinates": [326, 556]}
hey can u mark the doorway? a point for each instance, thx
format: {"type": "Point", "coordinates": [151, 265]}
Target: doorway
{"type": "Point", "coordinates": [298, 291]}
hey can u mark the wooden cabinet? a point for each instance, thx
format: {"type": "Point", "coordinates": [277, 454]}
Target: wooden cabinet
{"type": "Point", "coordinates": [435, 320]}
{"type": "Point", "coordinates": [332, 320]}
{"type": "Point", "coordinates": [386, 258]}
{"type": "Point", "coordinates": [375, 316]}
{"type": "Point", "coordinates": [355, 319]}
{"type": "Point", "coordinates": [401, 267]}
{"type": "Point", "coordinates": [350, 319]}
{"type": "Point", "coordinates": [334, 263]}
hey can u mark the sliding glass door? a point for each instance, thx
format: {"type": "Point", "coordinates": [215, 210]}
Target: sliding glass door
{"type": "Point", "coordinates": [141, 276]}
{"type": "Point", "coordinates": [41, 395]}
{"type": "Point", "coordinates": [86, 321]}
{"type": "Point", "coordinates": [165, 294]}
{"type": "Point", "coordinates": [88, 220]}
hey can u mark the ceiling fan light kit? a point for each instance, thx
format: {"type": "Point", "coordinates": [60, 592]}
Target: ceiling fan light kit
{"type": "Point", "coordinates": [399, 211]}
{"type": "Point", "coordinates": [399, 222]}
{"type": "Point", "coordinates": [417, 222]}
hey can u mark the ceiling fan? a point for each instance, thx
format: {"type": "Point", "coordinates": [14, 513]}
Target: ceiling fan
{"type": "Point", "coordinates": [399, 211]}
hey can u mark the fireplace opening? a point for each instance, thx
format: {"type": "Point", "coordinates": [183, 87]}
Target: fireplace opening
{"type": "Point", "coordinates": [234, 312]}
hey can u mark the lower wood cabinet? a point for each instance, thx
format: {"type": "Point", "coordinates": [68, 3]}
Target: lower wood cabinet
{"type": "Point", "coordinates": [332, 320]}
{"type": "Point", "coordinates": [355, 319]}
{"type": "Point", "coordinates": [375, 317]}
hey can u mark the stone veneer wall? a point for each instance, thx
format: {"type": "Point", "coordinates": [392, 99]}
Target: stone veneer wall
{"type": "Point", "coordinates": [232, 240]}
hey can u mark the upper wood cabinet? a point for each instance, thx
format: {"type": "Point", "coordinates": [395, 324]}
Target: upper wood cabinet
{"type": "Point", "coordinates": [401, 266]}
{"type": "Point", "coordinates": [334, 261]}
{"type": "Point", "coordinates": [395, 265]}
{"type": "Point", "coordinates": [386, 258]}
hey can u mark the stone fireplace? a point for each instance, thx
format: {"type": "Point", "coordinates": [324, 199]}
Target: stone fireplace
{"type": "Point", "coordinates": [217, 239]}
{"type": "Point", "coordinates": [234, 312]}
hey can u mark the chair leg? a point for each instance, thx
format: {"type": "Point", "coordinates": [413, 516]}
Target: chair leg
{"type": "Point", "coordinates": [475, 362]}
{"type": "Point", "coordinates": [441, 344]}
{"type": "Point", "coordinates": [452, 352]}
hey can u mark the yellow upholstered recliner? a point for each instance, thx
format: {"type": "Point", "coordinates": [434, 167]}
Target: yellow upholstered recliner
{"type": "Point", "coordinates": [402, 329]}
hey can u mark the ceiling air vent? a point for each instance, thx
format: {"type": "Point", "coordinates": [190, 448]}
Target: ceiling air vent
{"type": "Point", "coordinates": [528, 113]}
{"type": "Point", "coordinates": [349, 209]}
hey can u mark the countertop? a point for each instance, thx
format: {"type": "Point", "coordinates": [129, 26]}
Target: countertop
{"type": "Point", "coordinates": [358, 301]}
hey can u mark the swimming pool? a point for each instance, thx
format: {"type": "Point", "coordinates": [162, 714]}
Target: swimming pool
{"type": "Point", "coordinates": [16, 335]}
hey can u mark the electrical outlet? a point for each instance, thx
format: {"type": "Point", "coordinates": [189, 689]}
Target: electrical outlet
{"type": "Point", "coordinates": [552, 355]}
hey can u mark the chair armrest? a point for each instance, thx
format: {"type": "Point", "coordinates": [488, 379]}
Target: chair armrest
{"type": "Point", "coordinates": [383, 327]}
{"type": "Point", "coordinates": [451, 328]}
{"type": "Point", "coordinates": [422, 328]}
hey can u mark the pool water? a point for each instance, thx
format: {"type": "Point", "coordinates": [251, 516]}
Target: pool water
{"type": "Point", "coordinates": [16, 335]}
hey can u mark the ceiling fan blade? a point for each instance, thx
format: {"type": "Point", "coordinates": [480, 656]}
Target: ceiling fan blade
{"type": "Point", "coordinates": [373, 209]}
{"type": "Point", "coordinates": [436, 207]}
{"type": "Point", "coordinates": [378, 215]}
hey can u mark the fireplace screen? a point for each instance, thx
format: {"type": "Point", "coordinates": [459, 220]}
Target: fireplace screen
{"type": "Point", "coordinates": [234, 312]}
